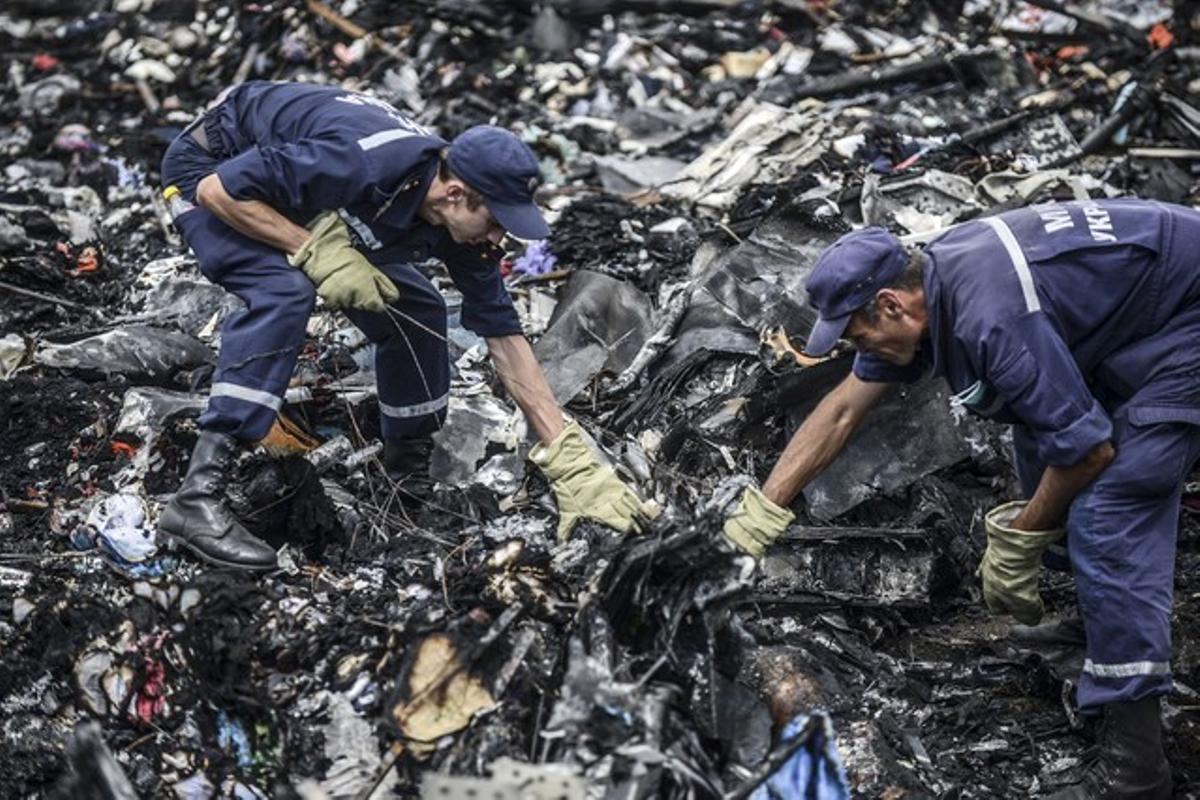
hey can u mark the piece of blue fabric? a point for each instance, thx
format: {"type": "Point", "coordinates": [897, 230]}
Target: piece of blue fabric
{"type": "Point", "coordinates": [231, 736]}
{"type": "Point", "coordinates": [538, 259]}
{"type": "Point", "coordinates": [814, 772]}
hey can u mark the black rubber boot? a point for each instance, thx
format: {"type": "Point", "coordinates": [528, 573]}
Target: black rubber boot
{"type": "Point", "coordinates": [198, 518]}
{"type": "Point", "coordinates": [1063, 633]}
{"type": "Point", "coordinates": [1130, 761]}
{"type": "Point", "coordinates": [408, 459]}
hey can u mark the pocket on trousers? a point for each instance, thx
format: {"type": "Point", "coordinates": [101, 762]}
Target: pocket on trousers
{"type": "Point", "coordinates": [186, 224]}
{"type": "Point", "coordinates": [1156, 414]}
{"type": "Point", "coordinates": [1162, 440]}
{"type": "Point", "coordinates": [194, 226]}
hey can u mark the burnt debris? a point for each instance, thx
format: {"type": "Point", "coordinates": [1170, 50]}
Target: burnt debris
{"type": "Point", "coordinates": [438, 638]}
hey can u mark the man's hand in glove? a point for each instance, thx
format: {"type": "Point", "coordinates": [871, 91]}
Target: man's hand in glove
{"type": "Point", "coordinates": [1011, 564]}
{"type": "Point", "coordinates": [756, 523]}
{"type": "Point", "coordinates": [584, 487]}
{"type": "Point", "coordinates": [342, 275]}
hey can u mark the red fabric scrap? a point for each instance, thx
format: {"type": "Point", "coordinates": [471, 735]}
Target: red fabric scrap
{"type": "Point", "coordinates": [44, 62]}
{"type": "Point", "coordinates": [151, 699]}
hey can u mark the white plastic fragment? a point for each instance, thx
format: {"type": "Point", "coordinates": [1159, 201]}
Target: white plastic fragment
{"type": "Point", "coordinates": [21, 610]}
{"type": "Point", "coordinates": [120, 520]}
{"type": "Point", "coordinates": [149, 69]}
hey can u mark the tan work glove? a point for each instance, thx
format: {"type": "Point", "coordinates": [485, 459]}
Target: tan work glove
{"type": "Point", "coordinates": [1011, 564]}
{"type": "Point", "coordinates": [584, 487]}
{"type": "Point", "coordinates": [756, 523]}
{"type": "Point", "coordinates": [342, 275]}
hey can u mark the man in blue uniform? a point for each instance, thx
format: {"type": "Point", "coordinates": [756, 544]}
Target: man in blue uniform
{"type": "Point", "coordinates": [304, 191]}
{"type": "Point", "coordinates": [1077, 323]}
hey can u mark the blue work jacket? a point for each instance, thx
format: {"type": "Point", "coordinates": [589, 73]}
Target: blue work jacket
{"type": "Point", "coordinates": [305, 149]}
{"type": "Point", "coordinates": [1053, 315]}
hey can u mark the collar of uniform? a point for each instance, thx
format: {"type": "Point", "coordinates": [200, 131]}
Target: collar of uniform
{"type": "Point", "coordinates": [399, 210]}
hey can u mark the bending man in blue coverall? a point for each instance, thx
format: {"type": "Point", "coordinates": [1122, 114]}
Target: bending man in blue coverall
{"type": "Point", "coordinates": [306, 191]}
{"type": "Point", "coordinates": [1077, 323]}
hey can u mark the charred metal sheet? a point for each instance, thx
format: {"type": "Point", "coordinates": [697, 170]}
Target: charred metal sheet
{"type": "Point", "coordinates": [851, 566]}
{"type": "Point", "coordinates": [510, 780]}
{"type": "Point", "coordinates": [908, 435]}
{"type": "Point", "coordinates": [930, 200]}
{"type": "Point", "coordinates": [758, 285]}
{"type": "Point", "coordinates": [1042, 141]}
{"type": "Point", "coordinates": [473, 424]}
{"type": "Point", "coordinates": [599, 323]}
{"type": "Point", "coordinates": [770, 144]}
{"type": "Point", "coordinates": [137, 351]}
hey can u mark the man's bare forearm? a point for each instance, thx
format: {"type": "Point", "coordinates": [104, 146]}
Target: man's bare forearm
{"type": "Point", "coordinates": [522, 376]}
{"type": "Point", "coordinates": [1058, 488]}
{"type": "Point", "coordinates": [821, 437]}
{"type": "Point", "coordinates": [251, 217]}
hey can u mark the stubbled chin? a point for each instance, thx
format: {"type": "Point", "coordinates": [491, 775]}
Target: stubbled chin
{"type": "Point", "coordinates": [899, 359]}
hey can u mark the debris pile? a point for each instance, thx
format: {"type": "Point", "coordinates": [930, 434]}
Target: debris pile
{"type": "Point", "coordinates": [698, 156]}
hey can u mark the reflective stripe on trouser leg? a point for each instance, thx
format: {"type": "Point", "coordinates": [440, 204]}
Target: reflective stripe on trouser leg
{"type": "Point", "coordinates": [259, 343]}
{"type": "Point", "coordinates": [412, 361]}
{"type": "Point", "coordinates": [1122, 532]}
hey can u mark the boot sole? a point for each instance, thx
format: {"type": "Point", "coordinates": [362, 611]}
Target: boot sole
{"type": "Point", "coordinates": [178, 541]}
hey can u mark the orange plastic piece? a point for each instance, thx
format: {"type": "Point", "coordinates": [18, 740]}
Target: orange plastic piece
{"type": "Point", "coordinates": [88, 261]}
{"type": "Point", "coordinates": [1071, 51]}
{"type": "Point", "coordinates": [1160, 37]}
{"type": "Point", "coordinates": [123, 449]}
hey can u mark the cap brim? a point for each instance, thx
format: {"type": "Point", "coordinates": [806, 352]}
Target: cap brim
{"type": "Point", "coordinates": [522, 221]}
{"type": "Point", "coordinates": [825, 335]}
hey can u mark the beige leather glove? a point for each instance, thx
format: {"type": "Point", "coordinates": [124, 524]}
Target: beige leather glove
{"type": "Point", "coordinates": [1011, 564]}
{"type": "Point", "coordinates": [584, 487]}
{"type": "Point", "coordinates": [342, 275]}
{"type": "Point", "coordinates": [756, 523]}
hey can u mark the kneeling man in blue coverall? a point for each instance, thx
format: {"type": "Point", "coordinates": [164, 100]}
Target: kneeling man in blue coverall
{"type": "Point", "coordinates": [1079, 324]}
{"type": "Point", "coordinates": [304, 191]}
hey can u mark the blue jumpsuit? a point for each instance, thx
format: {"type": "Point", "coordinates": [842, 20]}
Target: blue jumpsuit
{"type": "Point", "coordinates": [303, 150]}
{"type": "Point", "coordinates": [1079, 324]}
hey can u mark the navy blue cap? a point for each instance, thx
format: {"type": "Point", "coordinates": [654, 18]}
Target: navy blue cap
{"type": "Point", "coordinates": [846, 278]}
{"type": "Point", "coordinates": [502, 168]}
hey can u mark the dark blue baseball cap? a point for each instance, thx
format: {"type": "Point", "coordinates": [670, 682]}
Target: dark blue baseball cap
{"type": "Point", "coordinates": [846, 278]}
{"type": "Point", "coordinates": [502, 168]}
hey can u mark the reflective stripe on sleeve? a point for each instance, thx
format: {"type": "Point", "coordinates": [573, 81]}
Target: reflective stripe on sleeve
{"type": "Point", "coordinates": [383, 137]}
{"type": "Point", "coordinates": [1017, 257]}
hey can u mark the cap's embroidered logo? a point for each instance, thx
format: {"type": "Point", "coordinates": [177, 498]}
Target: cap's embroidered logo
{"type": "Point", "coordinates": [533, 184]}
